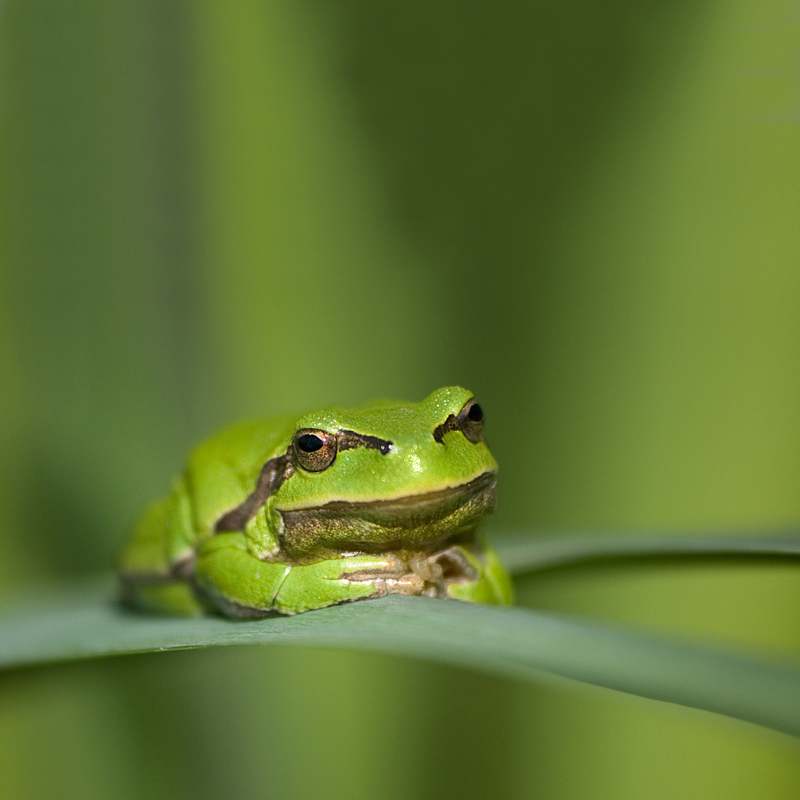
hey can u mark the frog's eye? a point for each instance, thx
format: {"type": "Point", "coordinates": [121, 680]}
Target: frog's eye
{"type": "Point", "coordinates": [314, 449]}
{"type": "Point", "coordinates": [470, 420]}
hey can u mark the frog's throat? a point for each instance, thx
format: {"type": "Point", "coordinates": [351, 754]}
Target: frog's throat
{"type": "Point", "coordinates": [418, 522]}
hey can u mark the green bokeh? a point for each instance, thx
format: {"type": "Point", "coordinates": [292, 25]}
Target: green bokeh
{"type": "Point", "coordinates": [585, 213]}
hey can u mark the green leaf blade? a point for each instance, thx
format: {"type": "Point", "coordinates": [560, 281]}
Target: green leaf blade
{"type": "Point", "coordinates": [524, 553]}
{"type": "Point", "coordinates": [511, 642]}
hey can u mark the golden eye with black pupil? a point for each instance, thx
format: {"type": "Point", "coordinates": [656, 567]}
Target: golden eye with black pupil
{"type": "Point", "coordinates": [470, 420]}
{"type": "Point", "coordinates": [315, 450]}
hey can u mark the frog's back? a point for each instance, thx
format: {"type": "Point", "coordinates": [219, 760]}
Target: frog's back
{"type": "Point", "coordinates": [218, 476]}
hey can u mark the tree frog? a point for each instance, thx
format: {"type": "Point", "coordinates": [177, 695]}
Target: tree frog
{"type": "Point", "coordinates": [293, 514]}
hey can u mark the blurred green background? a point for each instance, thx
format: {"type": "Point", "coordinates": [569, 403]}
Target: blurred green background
{"type": "Point", "coordinates": [586, 213]}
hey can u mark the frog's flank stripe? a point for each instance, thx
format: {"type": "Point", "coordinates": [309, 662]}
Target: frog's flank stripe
{"type": "Point", "coordinates": [450, 424]}
{"type": "Point", "coordinates": [348, 440]}
{"type": "Point", "coordinates": [277, 470]}
{"type": "Point", "coordinates": [272, 475]}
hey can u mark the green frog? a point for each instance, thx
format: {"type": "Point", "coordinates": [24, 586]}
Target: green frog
{"type": "Point", "coordinates": [292, 514]}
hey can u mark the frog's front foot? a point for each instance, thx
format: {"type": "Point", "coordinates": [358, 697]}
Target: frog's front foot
{"type": "Point", "coordinates": [419, 574]}
{"type": "Point", "coordinates": [440, 569]}
{"type": "Point", "coordinates": [460, 572]}
{"type": "Point", "coordinates": [386, 575]}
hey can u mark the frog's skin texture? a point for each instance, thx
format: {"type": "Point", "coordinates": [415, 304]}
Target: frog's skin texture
{"type": "Point", "coordinates": [287, 515]}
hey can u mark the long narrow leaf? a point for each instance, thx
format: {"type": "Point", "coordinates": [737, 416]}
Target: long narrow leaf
{"type": "Point", "coordinates": [524, 553]}
{"type": "Point", "coordinates": [505, 641]}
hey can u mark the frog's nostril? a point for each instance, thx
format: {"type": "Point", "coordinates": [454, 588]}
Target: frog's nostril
{"type": "Point", "coordinates": [475, 413]}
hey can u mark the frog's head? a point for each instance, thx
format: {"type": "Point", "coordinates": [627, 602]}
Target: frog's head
{"type": "Point", "coordinates": [388, 475]}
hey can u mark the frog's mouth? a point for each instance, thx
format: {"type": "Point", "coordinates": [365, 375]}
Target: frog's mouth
{"type": "Point", "coordinates": [421, 523]}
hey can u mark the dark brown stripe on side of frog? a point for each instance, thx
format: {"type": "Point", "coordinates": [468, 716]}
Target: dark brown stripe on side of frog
{"type": "Point", "coordinates": [278, 469]}
{"type": "Point", "coordinates": [270, 478]}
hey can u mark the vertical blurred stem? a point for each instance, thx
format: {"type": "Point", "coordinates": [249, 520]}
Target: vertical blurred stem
{"type": "Point", "coordinates": [94, 210]}
{"type": "Point", "coordinates": [85, 233]}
